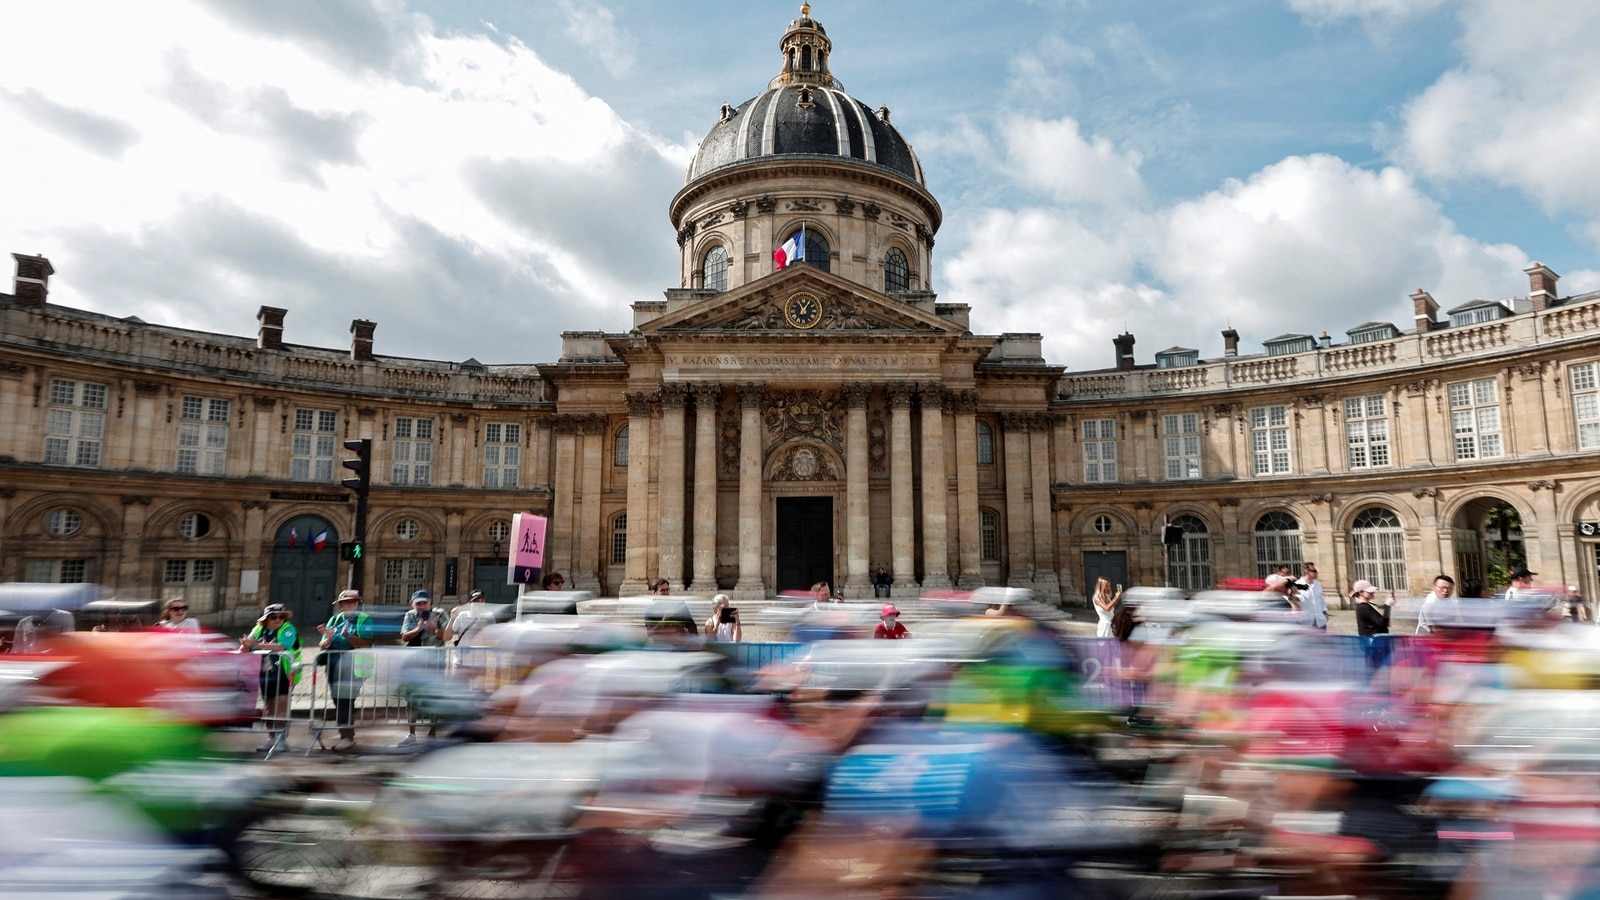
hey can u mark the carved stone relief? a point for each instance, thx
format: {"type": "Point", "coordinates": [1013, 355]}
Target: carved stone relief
{"type": "Point", "coordinates": [871, 210]}
{"type": "Point", "coordinates": [739, 208]}
{"type": "Point", "coordinates": [845, 206]}
{"type": "Point", "coordinates": [877, 443]}
{"type": "Point", "coordinates": [804, 463]}
{"type": "Point", "coordinates": [805, 414]}
{"type": "Point", "coordinates": [805, 205]}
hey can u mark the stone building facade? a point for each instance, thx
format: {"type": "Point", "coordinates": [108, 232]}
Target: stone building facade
{"type": "Point", "coordinates": [760, 428]}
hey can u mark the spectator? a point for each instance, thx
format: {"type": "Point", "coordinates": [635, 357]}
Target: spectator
{"type": "Point", "coordinates": [1372, 621]}
{"type": "Point", "coordinates": [889, 626]}
{"type": "Point", "coordinates": [1521, 585]}
{"type": "Point", "coordinates": [348, 631]}
{"type": "Point", "coordinates": [1313, 605]}
{"type": "Point", "coordinates": [881, 583]}
{"type": "Point", "coordinates": [661, 588]}
{"type": "Point", "coordinates": [175, 617]}
{"type": "Point", "coordinates": [427, 629]}
{"type": "Point", "coordinates": [1575, 609]}
{"type": "Point", "coordinates": [724, 622]}
{"type": "Point", "coordinates": [1105, 606]}
{"type": "Point", "coordinates": [1281, 590]}
{"type": "Point", "coordinates": [279, 670]}
{"type": "Point", "coordinates": [1439, 608]}
{"type": "Point", "coordinates": [552, 581]}
{"type": "Point", "coordinates": [822, 596]}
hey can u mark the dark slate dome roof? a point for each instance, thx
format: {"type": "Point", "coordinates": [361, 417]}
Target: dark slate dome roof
{"type": "Point", "coordinates": [805, 112]}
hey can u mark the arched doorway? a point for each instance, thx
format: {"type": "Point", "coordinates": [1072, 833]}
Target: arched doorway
{"type": "Point", "coordinates": [305, 569]}
{"type": "Point", "coordinates": [1486, 543]}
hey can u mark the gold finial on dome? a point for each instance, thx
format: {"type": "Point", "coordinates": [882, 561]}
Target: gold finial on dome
{"type": "Point", "coordinates": [805, 9]}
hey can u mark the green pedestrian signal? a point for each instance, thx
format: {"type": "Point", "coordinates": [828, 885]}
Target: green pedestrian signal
{"type": "Point", "coordinates": [350, 550]}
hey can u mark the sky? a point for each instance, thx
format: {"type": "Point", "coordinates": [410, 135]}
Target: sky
{"type": "Point", "coordinates": [479, 176]}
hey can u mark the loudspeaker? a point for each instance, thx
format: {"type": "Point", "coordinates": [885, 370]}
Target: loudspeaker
{"type": "Point", "coordinates": [1172, 534]}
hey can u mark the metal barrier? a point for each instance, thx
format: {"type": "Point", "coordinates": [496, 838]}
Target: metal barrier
{"type": "Point", "coordinates": [755, 655]}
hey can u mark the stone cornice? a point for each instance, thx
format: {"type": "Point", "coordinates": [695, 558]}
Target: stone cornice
{"type": "Point", "coordinates": [762, 172]}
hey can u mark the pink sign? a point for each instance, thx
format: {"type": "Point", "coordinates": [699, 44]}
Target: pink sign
{"type": "Point", "coordinates": [527, 548]}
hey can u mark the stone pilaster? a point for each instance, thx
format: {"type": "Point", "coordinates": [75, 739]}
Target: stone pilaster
{"type": "Point", "coordinates": [1046, 580]}
{"type": "Point", "coordinates": [965, 406]}
{"type": "Point", "coordinates": [706, 398]}
{"type": "Point", "coordinates": [585, 574]}
{"type": "Point", "coordinates": [562, 545]}
{"type": "Point", "coordinates": [634, 569]}
{"type": "Point", "coordinates": [902, 524]}
{"type": "Point", "coordinates": [935, 538]}
{"type": "Point", "coordinates": [674, 404]}
{"type": "Point", "coordinates": [858, 516]}
{"type": "Point", "coordinates": [135, 511]}
{"type": "Point", "coordinates": [1019, 524]}
{"type": "Point", "coordinates": [17, 441]}
{"type": "Point", "coordinates": [750, 585]}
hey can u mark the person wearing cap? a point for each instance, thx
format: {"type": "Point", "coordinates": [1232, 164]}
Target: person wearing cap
{"type": "Point", "coordinates": [426, 628]}
{"type": "Point", "coordinates": [1521, 585]}
{"type": "Point", "coordinates": [889, 625]}
{"type": "Point", "coordinates": [469, 618]}
{"type": "Point", "coordinates": [1574, 609]}
{"type": "Point", "coordinates": [1371, 618]}
{"type": "Point", "coordinates": [277, 639]}
{"type": "Point", "coordinates": [348, 631]}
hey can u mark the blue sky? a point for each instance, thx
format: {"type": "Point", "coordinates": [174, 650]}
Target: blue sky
{"type": "Point", "coordinates": [479, 175]}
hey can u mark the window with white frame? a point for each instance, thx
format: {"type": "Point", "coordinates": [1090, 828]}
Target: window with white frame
{"type": "Point", "coordinates": [1099, 450]}
{"type": "Point", "coordinates": [619, 540]}
{"type": "Point", "coordinates": [985, 444]}
{"type": "Point", "coordinates": [1269, 440]}
{"type": "Point", "coordinates": [1378, 548]}
{"type": "Point", "coordinates": [311, 449]}
{"type": "Point", "coordinates": [715, 270]}
{"type": "Point", "coordinates": [1586, 406]}
{"type": "Point", "coordinates": [203, 436]}
{"type": "Point", "coordinates": [75, 424]}
{"type": "Point", "coordinates": [1189, 560]}
{"type": "Point", "coordinates": [63, 522]}
{"type": "Point", "coordinates": [1277, 543]}
{"type": "Point", "coordinates": [194, 525]}
{"type": "Point", "coordinates": [1366, 432]}
{"type": "Point", "coordinates": [1181, 434]}
{"type": "Point", "coordinates": [57, 571]}
{"type": "Point", "coordinates": [411, 451]}
{"type": "Point", "coordinates": [193, 579]}
{"type": "Point", "coordinates": [403, 577]}
{"type": "Point", "coordinates": [619, 448]}
{"type": "Point", "coordinates": [502, 454]}
{"type": "Point", "coordinates": [988, 535]}
{"type": "Point", "coordinates": [1475, 419]}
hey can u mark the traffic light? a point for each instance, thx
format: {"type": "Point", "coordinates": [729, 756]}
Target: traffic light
{"type": "Point", "coordinates": [351, 550]}
{"type": "Point", "coordinates": [361, 465]}
{"type": "Point", "coordinates": [360, 483]}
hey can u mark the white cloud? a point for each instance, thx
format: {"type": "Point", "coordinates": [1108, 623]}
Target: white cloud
{"type": "Point", "coordinates": [1053, 156]}
{"type": "Point", "coordinates": [594, 28]}
{"type": "Point", "coordinates": [1370, 11]}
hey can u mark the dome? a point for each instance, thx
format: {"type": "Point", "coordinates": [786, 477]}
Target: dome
{"type": "Point", "coordinates": [805, 112]}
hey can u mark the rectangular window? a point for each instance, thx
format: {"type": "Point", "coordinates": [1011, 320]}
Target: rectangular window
{"type": "Point", "coordinates": [1586, 406]}
{"type": "Point", "coordinates": [58, 571]}
{"type": "Point", "coordinates": [502, 454]}
{"type": "Point", "coordinates": [1366, 432]}
{"type": "Point", "coordinates": [311, 453]}
{"type": "Point", "coordinates": [193, 579]}
{"type": "Point", "coordinates": [412, 451]}
{"type": "Point", "coordinates": [988, 535]}
{"type": "Point", "coordinates": [402, 578]}
{"type": "Point", "coordinates": [1269, 439]}
{"type": "Point", "coordinates": [1181, 434]}
{"type": "Point", "coordinates": [1475, 419]}
{"type": "Point", "coordinates": [75, 423]}
{"type": "Point", "coordinates": [1099, 450]}
{"type": "Point", "coordinates": [203, 436]}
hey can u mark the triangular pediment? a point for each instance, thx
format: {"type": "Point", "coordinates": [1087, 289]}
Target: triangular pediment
{"type": "Point", "coordinates": [778, 303]}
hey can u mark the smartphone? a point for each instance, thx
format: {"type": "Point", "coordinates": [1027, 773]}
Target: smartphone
{"type": "Point", "coordinates": [727, 614]}
{"type": "Point", "coordinates": [1119, 588]}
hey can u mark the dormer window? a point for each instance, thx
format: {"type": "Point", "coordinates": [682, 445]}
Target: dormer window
{"type": "Point", "coordinates": [1177, 357]}
{"type": "Point", "coordinates": [1372, 331]}
{"type": "Point", "coordinates": [1285, 344]}
{"type": "Point", "coordinates": [1477, 313]}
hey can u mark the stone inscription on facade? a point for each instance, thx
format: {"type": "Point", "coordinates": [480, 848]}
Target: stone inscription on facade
{"type": "Point", "coordinates": [866, 362]}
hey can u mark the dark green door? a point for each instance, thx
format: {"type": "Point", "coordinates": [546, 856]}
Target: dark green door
{"type": "Point", "coordinates": [489, 576]}
{"type": "Point", "coordinates": [304, 577]}
{"type": "Point", "coordinates": [805, 542]}
{"type": "Point", "coordinates": [1112, 565]}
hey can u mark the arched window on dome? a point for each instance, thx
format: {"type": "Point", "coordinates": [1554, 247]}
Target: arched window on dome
{"type": "Point", "coordinates": [896, 271]}
{"type": "Point", "coordinates": [817, 253]}
{"type": "Point", "coordinates": [805, 58]}
{"type": "Point", "coordinates": [715, 269]}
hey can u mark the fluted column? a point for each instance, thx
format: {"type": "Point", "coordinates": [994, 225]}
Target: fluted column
{"type": "Point", "coordinates": [635, 571]}
{"type": "Point", "coordinates": [563, 544]}
{"type": "Point", "coordinates": [585, 574]}
{"type": "Point", "coordinates": [965, 406]}
{"type": "Point", "coordinates": [750, 585]}
{"type": "Point", "coordinates": [902, 525]}
{"type": "Point", "coordinates": [1046, 581]}
{"type": "Point", "coordinates": [935, 488]}
{"type": "Point", "coordinates": [706, 398]}
{"type": "Point", "coordinates": [858, 517]}
{"type": "Point", "coordinates": [674, 403]}
{"type": "Point", "coordinates": [1019, 524]}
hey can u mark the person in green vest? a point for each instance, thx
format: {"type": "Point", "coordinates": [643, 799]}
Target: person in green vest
{"type": "Point", "coordinates": [344, 637]}
{"type": "Point", "coordinates": [275, 637]}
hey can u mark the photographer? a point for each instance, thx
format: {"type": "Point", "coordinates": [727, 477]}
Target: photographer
{"type": "Point", "coordinates": [428, 630]}
{"type": "Point", "coordinates": [347, 632]}
{"type": "Point", "coordinates": [724, 622]}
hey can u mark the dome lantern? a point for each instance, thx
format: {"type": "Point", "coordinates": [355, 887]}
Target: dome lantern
{"type": "Point", "coordinates": [805, 48]}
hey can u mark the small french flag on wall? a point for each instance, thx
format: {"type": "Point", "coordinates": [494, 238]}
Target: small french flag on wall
{"type": "Point", "coordinates": [792, 251]}
{"type": "Point", "coordinates": [320, 541]}
{"type": "Point", "coordinates": [294, 537]}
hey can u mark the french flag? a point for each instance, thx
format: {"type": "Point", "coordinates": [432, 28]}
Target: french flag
{"type": "Point", "coordinates": [320, 541]}
{"type": "Point", "coordinates": [294, 537]}
{"type": "Point", "coordinates": [792, 251]}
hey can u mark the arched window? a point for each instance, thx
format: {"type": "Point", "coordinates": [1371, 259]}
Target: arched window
{"type": "Point", "coordinates": [988, 535]}
{"type": "Point", "coordinates": [1189, 560]}
{"type": "Point", "coordinates": [619, 539]}
{"type": "Point", "coordinates": [716, 269]}
{"type": "Point", "coordinates": [1277, 543]}
{"type": "Point", "coordinates": [619, 455]}
{"type": "Point", "coordinates": [896, 271]}
{"type": "Point", "coordinates": [816, 249]}
{"type": "Point", "coordinates": [985, 444]}
{"type": "Point", "coordinates": [805, 58]}
{"type": "Point", "coordinates": [1378, 544]}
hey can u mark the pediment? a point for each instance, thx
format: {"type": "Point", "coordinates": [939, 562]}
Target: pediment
{"type": "Point", "coordinates": [761, 306]}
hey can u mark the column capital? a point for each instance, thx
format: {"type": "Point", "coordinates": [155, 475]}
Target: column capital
{"type": "Point", "coordinates": [931, 395]}
{"type": "Point", "coordinates": [706, 394]}
{"type": "Point", "coordinates": [564, 423]}
{"type": "Point", "coordinates": [900, 394]}
{"type": "Point", "coordinates": [751, 394]}
{"type": "Point", "coordinates": [638, 403]}
{"type": "Point", "coordinates": [962, 401]}
{"type": "Point", "coordinates": [674, 395]}
{"type": "Point", "coordinates": [856, 395]}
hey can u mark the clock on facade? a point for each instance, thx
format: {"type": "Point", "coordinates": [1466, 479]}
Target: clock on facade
{"type": "Point", "coordinates": [803, 310]}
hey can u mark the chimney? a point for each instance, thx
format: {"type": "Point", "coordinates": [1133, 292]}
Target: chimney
{"type": "Point", "coordinates": [361, 343]}
{"type": "Point", "coordinates": [33, 280]}
{"type": "Point", "coordinates": [1426, 309]}
{"type": "Point", "coordinates": [270, 337]}
{"type": "Point", "coordinates": [1124, 345]}
{"type": "Point", "coordinates": [1325, 341]}
{"type": "Point", "coordinates": [1541, 285]}
{"type": "Point", "coordinates": [1230, 342]}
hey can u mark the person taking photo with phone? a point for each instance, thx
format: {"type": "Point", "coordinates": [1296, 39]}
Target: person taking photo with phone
{"type": "Point", "coordinates": [724, 622]}
{"type": "Point", "coordinates": [1105, 606]}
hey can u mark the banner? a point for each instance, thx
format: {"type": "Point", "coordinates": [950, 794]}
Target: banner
{"type": "Point", "coordinates": [526, 562]}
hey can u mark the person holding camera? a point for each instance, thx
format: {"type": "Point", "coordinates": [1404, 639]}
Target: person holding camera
{"type": "Point", "coordinates": [724, 622]}
{"type": "Point", "coordinates": [346, 633]}
{"type": "Point", "coordinates": [1313, 605]}
{"type": "Point", "coordinates": [280, 670]}
{"type": "Point", "coordinates": [427, 629]}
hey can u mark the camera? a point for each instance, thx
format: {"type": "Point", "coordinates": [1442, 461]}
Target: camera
{"type": "Point", "coordinates": [728, 614]}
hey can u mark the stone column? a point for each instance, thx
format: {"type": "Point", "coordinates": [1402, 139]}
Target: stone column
{"type": "Point", "coordinates": [135, 510]}
{"type": "Point", "coordinates": [965, 405]}
{"type": "Point", "coordinates": [902, 524]}
{"type": "Point", "coordinates": [562, 545]}
{"type": "Point", "coordinates": [750, 585]}
{"type": "Point", "coordinates": [858, 516]}
{"type": "Point", "coordinates": [935, 488]}
{"type": "Point", "coordinates": [1019, 530]}
{"type": "Point", "coordinates": [1046, 579]}
{"type": "Point", "coordinates": [634, 570]}
{"type": "Point", "coordinates": [586, 565]}
{"type": "Point", "coordinates": [706, 399]}
{"type": "Point", "coordinates": [674, 403]}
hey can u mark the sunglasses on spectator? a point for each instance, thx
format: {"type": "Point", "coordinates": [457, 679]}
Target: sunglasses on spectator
{"type": "Point", "coordinates": [178, 608]}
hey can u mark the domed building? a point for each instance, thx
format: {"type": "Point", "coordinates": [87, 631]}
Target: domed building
{"type": "Point", "coordinates": [800, 407]}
